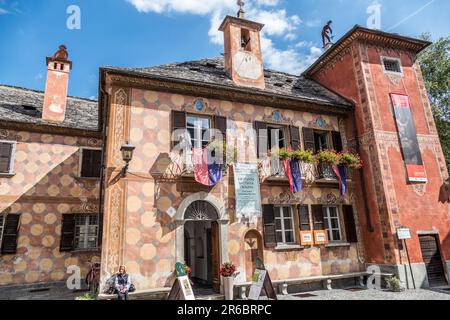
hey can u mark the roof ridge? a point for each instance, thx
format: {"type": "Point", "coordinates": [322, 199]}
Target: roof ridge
{"type": "Point", "coordinates": [42, 92]}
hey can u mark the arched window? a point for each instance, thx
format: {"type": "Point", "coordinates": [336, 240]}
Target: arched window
{"type": "Point", "coordinates": [201, 211]}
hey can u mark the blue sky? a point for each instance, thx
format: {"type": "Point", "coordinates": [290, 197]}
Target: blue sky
{"type": "Point", "coordinates": [152, 32]}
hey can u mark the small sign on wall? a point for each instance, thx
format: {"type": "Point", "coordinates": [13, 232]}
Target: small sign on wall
{"type": "Point", "coordinates": [320, 237]}
{"type": "Point", "coordinates": [403, 233]}
{"type": "Point", "coordinates": [306, 238]}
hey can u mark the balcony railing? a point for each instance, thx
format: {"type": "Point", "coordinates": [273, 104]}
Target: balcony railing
{"type": "Point", "coordinates": [310, 172]}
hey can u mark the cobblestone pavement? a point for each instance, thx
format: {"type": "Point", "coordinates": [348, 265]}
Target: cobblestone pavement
{"type": "Point", "coordinates": [340, 294]}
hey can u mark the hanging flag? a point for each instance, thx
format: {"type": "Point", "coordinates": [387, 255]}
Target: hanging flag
{"type": "Point", "coordinates": [206, 171]}
{"type": "Point", "coordinates": [340, 173]}
{"type": "Point", "coordinates": [296, 175]}
{"type": "Point", "coordinates": [288, 173]}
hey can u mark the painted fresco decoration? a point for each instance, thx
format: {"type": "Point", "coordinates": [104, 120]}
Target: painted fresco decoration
{"type": "Point", "coordinates": [200, 105]}
{"type": "Point", "coordinates": [408, 138]}
{"type": "Point", "coordinates": [321, 124]}
{"type": "Point", "coordinates": [278, 117]}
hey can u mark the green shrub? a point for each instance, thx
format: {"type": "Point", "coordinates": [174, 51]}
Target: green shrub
{"type": "Point", "coordinates": [284, 154]}
{"type": "Point", "coordinates": [87, 296]}
{"type": "Point", "coordinates": [394, 284]}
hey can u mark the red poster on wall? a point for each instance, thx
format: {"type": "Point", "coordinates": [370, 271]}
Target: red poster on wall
{"type": "Point", "coordinates": [408, 138]}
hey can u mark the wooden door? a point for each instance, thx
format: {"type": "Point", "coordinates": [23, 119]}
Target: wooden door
{"type": "Point", "coordinates": [215, 256]}
{"type": "Point", "coordinates": [433, 260]}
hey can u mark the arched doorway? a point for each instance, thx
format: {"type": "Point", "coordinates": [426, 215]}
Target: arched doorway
{"type": "Point", "coordinates": [202, 253]}
{"type": "Point", "coordinates": [253, 249]}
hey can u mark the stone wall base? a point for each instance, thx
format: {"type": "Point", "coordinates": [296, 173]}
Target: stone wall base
{"type": "Point", "coordinates": [39, 291]}
{"type": "Point", "coordinates": [403, 272]}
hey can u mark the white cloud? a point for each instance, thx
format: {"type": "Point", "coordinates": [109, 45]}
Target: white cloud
{"type": "Point", "coordinates": [278, 24]}
{"type": "Point", "coordinates": [3, 11]}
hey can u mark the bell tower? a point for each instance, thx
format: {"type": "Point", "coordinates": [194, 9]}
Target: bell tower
{"type": "Point", "coordinates": [243, 56]}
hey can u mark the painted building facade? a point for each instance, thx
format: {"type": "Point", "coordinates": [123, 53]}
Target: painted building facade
{"type": "Point", "coordinates": [43, 184]}
{"type": "Point", "coordinates": [65, 198]}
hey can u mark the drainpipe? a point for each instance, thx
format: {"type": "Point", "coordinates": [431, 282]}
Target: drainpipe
{"type": "Point", "coordinates": [102, 172]}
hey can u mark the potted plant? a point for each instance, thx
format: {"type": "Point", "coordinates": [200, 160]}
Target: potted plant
{"type": "Point", "coordinates": [327, 159]}
{"type": "Point", "coordinates": [284, 154]}
{"type": "Point", "coordinates": [228, 273]}
{"type": "Point", "coordinates": [305, 156]}
{"type": "Point", "coordinates": [350, 160]}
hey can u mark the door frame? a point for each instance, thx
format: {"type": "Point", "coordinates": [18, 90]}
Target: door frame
{"type": "Point", "coordinates": [437, 238]}
{"type": "Point", "coordinates": [222, 221]}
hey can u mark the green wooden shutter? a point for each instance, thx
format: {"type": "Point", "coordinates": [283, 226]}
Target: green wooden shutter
{"type": "Point", "coordinates": [270, 239]}
{"type": "Point", "coordinates": [318, 219]}
{"type": "Point", "coordinates": [350, 226]}
{"type": "Point", "coordinates": [5, 157]}
{"type": "Point", "coordinates": [262, 139]}
{"type": "Point", "coordinates": [295, 137]}
{"type": "Point", "coordinates": [10, 234]}
{"type": "Point", "coordinates": [337, 141]}
{"type": "Point", "coordinates": [308, 139]}
{"type": "Point", "coordinates": [67, 233]}
{"type": "Point", "coordinates": [303, 218]}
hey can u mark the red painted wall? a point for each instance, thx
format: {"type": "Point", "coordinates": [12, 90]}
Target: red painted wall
{"type": "Point", "coordinates": [418, 210]}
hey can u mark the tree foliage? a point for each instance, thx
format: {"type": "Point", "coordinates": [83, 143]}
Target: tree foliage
{"type": "Point", "coordinates": [435, 63]}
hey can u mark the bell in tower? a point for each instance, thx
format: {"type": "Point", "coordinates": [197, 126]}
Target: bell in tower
{"type": "Point", "coordinates": [243, 56]}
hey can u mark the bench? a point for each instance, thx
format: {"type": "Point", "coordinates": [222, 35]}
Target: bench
{"type": "Point", "coordinates": [150, 294]}
{"type": "Point", "coordinates": [326, 280]}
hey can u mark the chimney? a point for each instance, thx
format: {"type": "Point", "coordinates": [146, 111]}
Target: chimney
{"type": "Point", "coordinates": [55, 99]}
{"type": "Point", "coordinates": [243, 56]}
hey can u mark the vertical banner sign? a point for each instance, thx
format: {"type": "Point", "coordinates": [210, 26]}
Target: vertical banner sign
{"type": "Point", "coordinates": [408, 138]}
{"type": "Point", "coordinates": [248, 194]}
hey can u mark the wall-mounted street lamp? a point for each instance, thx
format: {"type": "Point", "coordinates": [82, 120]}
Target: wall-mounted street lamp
{"type": "Point", "coordinates": [127, 155]}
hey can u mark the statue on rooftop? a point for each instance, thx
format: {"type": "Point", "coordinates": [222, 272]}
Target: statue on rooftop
{"type": "Point", "coordinates": [61, 54]}
{"type": "Point", "coordinates": [241, 12]}
{"type": "Point", "coordinates": [327, 34]}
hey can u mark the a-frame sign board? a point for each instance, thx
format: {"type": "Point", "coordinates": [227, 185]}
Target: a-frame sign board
{"type": "Point", "coordinates": [261, 280]}
{"type": "Point", "coordinates": [181, 289]}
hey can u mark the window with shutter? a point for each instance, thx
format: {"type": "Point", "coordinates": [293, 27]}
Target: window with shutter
{"type": "Point", "coordinates": [295, 137]}
{"type": "Point", "coordinates": [303, 218]}
{"type": "Point", "coordinates": [10, 234]}
{"type": "Point", "coordinates": [350, 226]}
{"type": "Point", "coordinates": [270, 240]}
{"type": "Point", "coordinates": [6, 153]}
{"type": "Point", "coordinates": [337, 141]}
{"type": "Point", "coordinates": [262, 140]}
{"type": "Point", "coordinates": [91, 162]}
{"type": "Point", "coordinates": [67, 233]}
{"type": "Point", "coordinates": [318, 221]}
{"type": "Point", "coordinates": [308, 139]}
